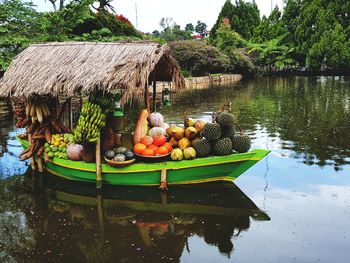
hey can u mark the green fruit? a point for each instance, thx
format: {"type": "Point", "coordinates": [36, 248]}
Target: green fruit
{"type": "Point", "coordinates": [176, 154]}
{"type": "Point", "coordinates": [189, 153]}
{"type": "Point", "coordinates": [50, 154]}
{"type": "Point", "coordinates": [46, 145]}
{"type": "Point", "coordinates": [225, 119]}
{"type": "Point", "coordinates": [212, 131]}
{"type": "Point", "coordinates": [241, 143]}
{"type": "Point", "coordinates": [54, 149]}
{"type": "Point", "coordinates": [56, 154]}
{"type": "Point", "coordinates": [222, 146]}
{"type": "Point", "coordinates": [203, 148]}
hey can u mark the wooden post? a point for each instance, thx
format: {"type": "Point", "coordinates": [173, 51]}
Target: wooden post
{"type": "Point", "coordinates": [98, 163]}
{"type": "Point", "coordinates": [70, 118]}
{"type": "Point", "coordinates": [147, 102]}
{"type": "Point", "coordinates": [154, 95]}
{"type": "Point", "coordinates": [100, 211]}
{"type": "Point", "coordinates": [32, 159]}
{"type": "Point", "coordinates": [40, 165]}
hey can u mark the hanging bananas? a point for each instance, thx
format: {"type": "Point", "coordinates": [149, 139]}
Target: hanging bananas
{"type": "Point", "coordinates": [91, 120]}
{"type": "Point", "coordinates": [37, 111]}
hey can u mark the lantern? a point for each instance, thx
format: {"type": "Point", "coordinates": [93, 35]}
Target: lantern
{"type": "Point", "coordinates": [117, 118]}
{"type": "Point", "coordinates": [166, 97]}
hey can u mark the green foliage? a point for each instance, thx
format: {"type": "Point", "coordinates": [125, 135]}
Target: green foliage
{"type": "Point", "coordinates": [196, 58]}
{"type": "Point", "coordinates": [331, 51]}
{"type": "Point", "coordinates": [75, 21]}
{"type": "Point", "coordinates": [22, 26]}
{"type": "Point", "coordinates": [273, 53]}
{"type": "Point", "coordinates": [311, 33]}
{"type": "Point", "coordinates": [226, 12]}
{"type": "Point", "coordinates": [200, 27]}
{"type": "Point", "coordinates": [234, 46]}
{"type": "Point", "coordinates": [171, 31]}
{"type": "Point", "coordinates": [189, 27]}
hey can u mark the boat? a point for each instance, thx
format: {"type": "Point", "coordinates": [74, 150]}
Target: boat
{"type": "Point", "coordinates": [200, 170]}
{"type": "Point", "coordinates": [52, 92]}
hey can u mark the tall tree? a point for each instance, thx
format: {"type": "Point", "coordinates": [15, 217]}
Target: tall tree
{"type": "Point", "coordinates": [200, 27]}
{"type": "Point", "coordinates": [189, 27]}
{"type": "Point", "coordinates": [245, 18]}
{"type": "Point", "coordinates": [226, 11]}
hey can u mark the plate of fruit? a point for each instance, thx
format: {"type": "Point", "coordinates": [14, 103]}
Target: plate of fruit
{"type": "Point", "coordinates": [153, 148]}
{"type": "Point", "coordinates": [119, 157]}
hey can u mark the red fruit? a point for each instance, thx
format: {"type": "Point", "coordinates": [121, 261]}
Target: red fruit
{"type": "Point", "coordinates": [159, 140]}
{"type": "Point", "coordinates": [148, 152]}
{"type": "Point", "coordinates": [147, 140]}
{"type": "Point", "coordinates": [139, 148]}
{"type": "Point", "coordinates": [162, 150]}
{"type": "Point", "coordinates": [168, 146]}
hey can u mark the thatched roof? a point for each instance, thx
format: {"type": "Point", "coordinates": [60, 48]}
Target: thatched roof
{"type": "Point", "coordinates": [66, 67]}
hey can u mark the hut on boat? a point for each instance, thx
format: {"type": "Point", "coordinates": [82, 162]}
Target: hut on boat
{"type": "Point", "coordinates": [57, 68]}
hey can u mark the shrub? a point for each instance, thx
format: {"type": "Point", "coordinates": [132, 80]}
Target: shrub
{"type": "Point", "coordinates": [198, 58]}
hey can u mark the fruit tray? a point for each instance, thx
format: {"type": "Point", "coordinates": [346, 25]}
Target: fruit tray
{"type": "Point", "coordinates": [120, 164]}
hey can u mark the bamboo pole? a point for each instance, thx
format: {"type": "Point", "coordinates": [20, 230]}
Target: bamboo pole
{"type": "Point", "coordinates": [98, 164]}
{"type": "Point", "coordinates": [40, 165]}
{"type": "Point", "coordinates": [154, 95]}
{"type": "Point", "coordinates": [70, 118]}
{"type": "Point", "coordinates": [32, 159]}
{"type": "Point", "coordinates": [147, 102]}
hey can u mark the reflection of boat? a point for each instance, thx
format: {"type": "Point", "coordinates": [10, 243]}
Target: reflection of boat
{"type": "Point", "coordinates": [136, 223]}
{"type": "Point", "coordinates": [201, 170]}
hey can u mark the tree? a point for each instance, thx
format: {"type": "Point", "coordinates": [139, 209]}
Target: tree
{"type": "Point", "coordinates": [200, 27]}
{"type": "Point", "coordinates": [166, 22]}
{"type": "Point", "coordinates": [22, 27]}
{"type": "Point", "coordinates": [226, 12]}
{"type": "Point", "coordinates": [332, 51]}
{"type": "Point", "coordinates": [156, 33]}
{"type": "Point", "coordinates": [189, 27]}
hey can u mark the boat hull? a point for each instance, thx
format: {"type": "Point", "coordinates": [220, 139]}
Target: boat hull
{"type": "Point", "coordinates": [200, 170]}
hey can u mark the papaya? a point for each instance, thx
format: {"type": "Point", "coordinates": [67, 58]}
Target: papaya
{"type": "Point", "coordinates": [141, 128]}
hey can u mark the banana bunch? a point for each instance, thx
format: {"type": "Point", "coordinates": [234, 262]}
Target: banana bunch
{"type": "Point", "coordinates": [91, 120]}
{"type": "Point", "coordinates": [104, 100]}
{"type": "Point", "coordinates": [37, 111]}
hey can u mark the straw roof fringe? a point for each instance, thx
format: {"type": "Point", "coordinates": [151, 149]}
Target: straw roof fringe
{"type": "Point", "coordinates": [65, 67]}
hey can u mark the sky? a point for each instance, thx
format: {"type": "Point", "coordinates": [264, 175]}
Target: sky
{"type": "Point", "coordinates": [150, 12]}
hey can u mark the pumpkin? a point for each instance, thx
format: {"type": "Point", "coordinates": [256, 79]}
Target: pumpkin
{"type": "Point", "coordinates": [156, 119]}
{"type": "Point", "coordinates": [141, 126]}
{"type": "Point", "coordinates": [156, 131]}
{"type": "Point", "coordinates": [165, 126]}
{"type": "Point", "coordinates": [74, 152]}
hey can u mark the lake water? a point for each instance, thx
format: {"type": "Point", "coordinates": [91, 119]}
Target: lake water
{"type": "Point", "coordinates": [293, 206]}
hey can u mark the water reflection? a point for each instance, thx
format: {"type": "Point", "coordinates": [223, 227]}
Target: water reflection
{"type": "Point", "coordinates": [64, 222]}
{"type": "Point", "coordinates": [307, 118]}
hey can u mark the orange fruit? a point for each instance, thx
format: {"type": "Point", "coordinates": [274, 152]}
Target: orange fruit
{"type": "Point", "coordinates": [168, 146]}
{"type": "Point", "coordinates": [162, 150]}
{"type": "Point", "coordinates": [139, 148]}
{"type": "Point", "coordinates": [148, 152]}
{"type": "Point", "coordinates": [153, 147]}
{"type": "Point", "coordinates": [147, 140]}
{"type": "Point", "coordinates": [159, 140]}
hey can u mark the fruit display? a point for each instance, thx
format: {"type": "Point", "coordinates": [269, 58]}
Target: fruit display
{"type": "Point", "coordinates": [120, 154]}
{"type": "Point", "coordinates": [40, 125]}
{"type": "Point", "coordinates": [57, 147]}
{"type": "Point", "coordinates": [149, 147]}
{"type": "Point", "coordinates": [105, 101]}
{"type": "Point", "coordinates": [141, 126]}
{"type": "Point", "coordinates": [91, 120]}
{"type": "Point", "coordinates": [241, 143]}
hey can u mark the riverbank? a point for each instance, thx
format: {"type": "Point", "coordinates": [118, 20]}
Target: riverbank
{"type": "Point", "coordinates": [205, 81]}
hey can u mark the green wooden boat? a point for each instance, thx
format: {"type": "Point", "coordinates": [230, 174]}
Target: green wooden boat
{"type": "Point", "coordinates": [201, 170]}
